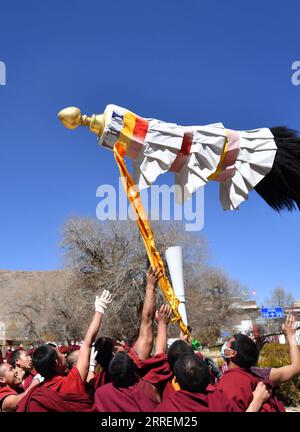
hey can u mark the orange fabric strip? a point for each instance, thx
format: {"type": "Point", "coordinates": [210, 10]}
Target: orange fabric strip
{"type": "Point", "coordinates": [147, 234]}
{"type": "Point", "coordinates": [183, 153]}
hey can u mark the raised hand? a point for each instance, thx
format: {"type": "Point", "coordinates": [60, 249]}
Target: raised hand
{"type": "Point", "coordinates": [153, 276]}
{"type": "Point", "coordinates": [103, 301]}
{"type": "Point", "coordinates": [163, 314]}
{"type": "Point", "coordinates": [289, 326]}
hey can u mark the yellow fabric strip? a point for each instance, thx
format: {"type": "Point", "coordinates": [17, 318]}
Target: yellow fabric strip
{"type": "Point", "coordinates": [147, 234]}
{"type": "Point", "coordinates": [215, 175]}
{"type": "Point", "coordinates": [128, 128]}
{"type": "Point", "coordinates": [175, 385]}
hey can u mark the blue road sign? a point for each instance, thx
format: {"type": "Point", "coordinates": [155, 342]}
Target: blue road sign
{"type": "Point", "coordinates": [276, 312]}
{"type": "Point", "coordinates": [225, 334]}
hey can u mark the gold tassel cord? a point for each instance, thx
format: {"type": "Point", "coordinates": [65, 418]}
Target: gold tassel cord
{"type": "Point", "coordinates": [155, 259]}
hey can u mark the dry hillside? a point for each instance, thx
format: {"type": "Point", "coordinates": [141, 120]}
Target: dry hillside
{"type": "Point", "coordinates": [15, 285]}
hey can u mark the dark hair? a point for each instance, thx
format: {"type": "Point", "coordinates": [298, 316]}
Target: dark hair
{"type": "Point", "coordinates": [44, 360]}
{"type": "Point", "coordinates": [15, 356]}
{"type": "Point", "coordinates": [192, 373]}
{"type": "Point", "coordinates": [122, 370]}
{"type": "Point", "coordinates": [247, 352]}
{"type": "Point", "coordinates": [104, 346]}
{"type": "Point", "coordinates": [178, 347]}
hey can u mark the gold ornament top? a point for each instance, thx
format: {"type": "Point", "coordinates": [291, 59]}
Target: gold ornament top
{"type": "Point", "coordinates": [71, 118]}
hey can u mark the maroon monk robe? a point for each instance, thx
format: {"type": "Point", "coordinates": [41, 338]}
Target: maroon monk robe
{"type": "Point", "coordinates": [100, 379]}
{"type": "Point", "coordinates": [8, 355]}
{"type": "Point", "coordinates": [238, 384]}
{"type": "Point", "coordinates": [141, 397]}
{"type": "Point", "coordinates": [211, 400]}
{"type": "Point", "coordinates": [42, 399]}
{"type": "Point", "coordinates": [28, 379]}
{"type": "Point", "coordinates": [72, 383]}
{"type": "Point", "coordinates": [156, 370]}
{"type": "Point", "coordinates": [4, 392]}
{"type": "Point", "coordinates": [31, 351]}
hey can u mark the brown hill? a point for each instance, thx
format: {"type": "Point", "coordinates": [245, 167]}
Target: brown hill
{"type": "Point", "coordinates": [19, 284]}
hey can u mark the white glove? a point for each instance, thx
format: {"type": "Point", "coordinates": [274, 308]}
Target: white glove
{"type": "Point", "coordinates": [102, 301]}
{"type": "Point", "coordinates": [93, 361]}
{"type": "Point", "coordinates": [39, 377]}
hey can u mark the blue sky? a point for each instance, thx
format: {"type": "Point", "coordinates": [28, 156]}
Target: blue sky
{"type": "Point", "coordinates": [192, 62]}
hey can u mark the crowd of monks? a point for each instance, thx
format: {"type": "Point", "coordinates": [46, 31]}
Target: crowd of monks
{"type": "Point", "coordinates": [105, 375]}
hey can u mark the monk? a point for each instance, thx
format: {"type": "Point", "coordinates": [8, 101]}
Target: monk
{"type": "Point", "coordinates": [104, 350]}
{"type": "Point", "coordinates": [106, 347]}
{"type": "Point", "coordinates": [240, 380]}
{"type": "Point", "coordinates": [127, 392]}
{"type": "Point", "coordinates": [31, 350]}
{"type": "Point", "coordinates": [160, 367]}
{"type": "Point", "coordinates": [10, 391]}
{"type": "Point", "coordinates": [285, 373]}
{"type": "Point", "coordinates": [22, 362]}
{"type": "Point", "coordinates": [196, 394]}
{"type": "Point", "coordinates": [8, 353]}
{"type": "Point", "coordinates": [51, 363]}
{"type": "Point", "coordinates": [281, 374]}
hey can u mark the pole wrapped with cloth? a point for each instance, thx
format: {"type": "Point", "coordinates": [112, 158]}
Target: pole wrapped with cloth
{"type": "Point", "coordinates": [267, 160]}
{"type": "Point", "coordinates": [147, 234]}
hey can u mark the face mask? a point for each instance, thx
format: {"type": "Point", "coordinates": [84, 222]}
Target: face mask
{"type": "Point", "coordinates": [224, 347]}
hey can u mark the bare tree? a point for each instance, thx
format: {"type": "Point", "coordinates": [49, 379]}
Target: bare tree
{"type": "Point", "coordinates": [112, 256]}
{"type": "Point", "coordinates": [211, 299]}
{"type": "Point", "coordinates": [280, 297]}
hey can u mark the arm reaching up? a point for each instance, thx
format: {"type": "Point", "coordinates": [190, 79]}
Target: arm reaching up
{"type": "Point", "coordinates": [143, 345]}
{"type": "Point", "coordinates": [163, 317]}
{"type": "Point", "coordinates": [285, 373]}
{"type": "Point", "coordinates": [83, 361]}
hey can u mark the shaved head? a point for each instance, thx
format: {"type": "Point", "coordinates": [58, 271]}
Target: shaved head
{"type": "Point", "coordinates": [3, 369]}
{"type": "Point", "coordinates": [72, 358]}
{"type": "Point", "coordinates": [9, 376]}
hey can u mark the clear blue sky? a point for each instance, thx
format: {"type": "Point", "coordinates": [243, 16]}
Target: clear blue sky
{"type": "Point", "coordinates": [192, 62]}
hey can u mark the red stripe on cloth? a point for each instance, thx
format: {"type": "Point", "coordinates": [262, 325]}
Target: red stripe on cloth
{"type": "Point", "coordinates": [137, 141]}
{"type": "Point", "coordinates": [141, 128]}
{"type": "Point", "coordinates": [183, 153]}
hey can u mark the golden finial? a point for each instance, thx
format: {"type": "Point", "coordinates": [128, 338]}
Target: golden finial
{"type": "Point", "coordinates": [71, 118]}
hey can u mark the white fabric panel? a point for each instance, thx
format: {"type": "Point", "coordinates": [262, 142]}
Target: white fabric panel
{"type": "Point", "coordinates": [255, 160]}
{"type": "Point", "coordinates": [161, 145]}
{"type": "Point", "coordinates": [163, 142]}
